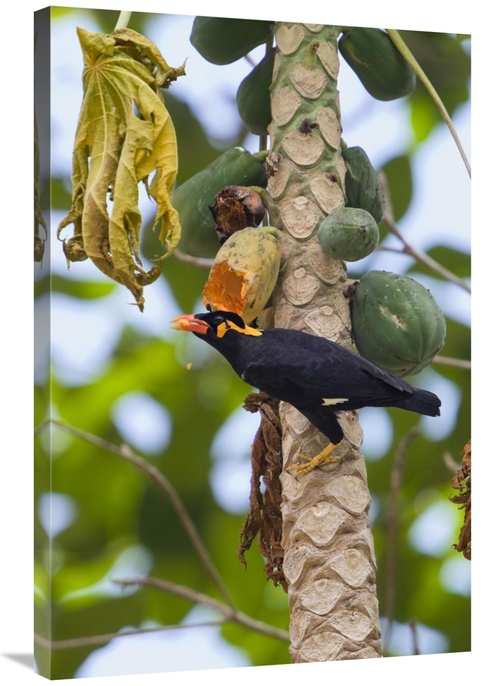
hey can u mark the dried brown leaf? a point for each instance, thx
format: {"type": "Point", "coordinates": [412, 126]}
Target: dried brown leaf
{"type": "Point", "coordinates": [39, 245]}
{"type": "Point", "coordinates": [264, 518]}
{"type": "Point", "coordinates": [124, 136]}
{"type": "Point", "coordinates": [463, 483]}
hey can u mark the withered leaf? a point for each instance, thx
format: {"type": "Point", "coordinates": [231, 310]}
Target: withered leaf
{"type": "Point", "coordinates": [39, 242]}
{"type": "Point", "coordinates": [264, 517]}
{"type": "Point", "coordinates": [124, 136]}
{"type": "Point", "coordinates": [462, 482]}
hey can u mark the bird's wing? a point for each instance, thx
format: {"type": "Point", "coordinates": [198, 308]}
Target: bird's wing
{"type": "Point", "coordinates": [320, 369]}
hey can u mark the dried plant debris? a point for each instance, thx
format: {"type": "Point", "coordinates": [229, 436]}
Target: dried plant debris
{"type": "Point", "coordinates": [264, 518]}
{"type": "Point", "coordinates": [462, 483]}
{"type": "Point", "coordinates": [236, 208]}
{"type": "Point", "coordinates": [39, 245]}
{"type": "Point", "coordinates": [124, 136]}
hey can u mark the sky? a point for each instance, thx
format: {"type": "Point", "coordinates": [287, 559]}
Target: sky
{"type": "Point", "coordinates": [399, 15]}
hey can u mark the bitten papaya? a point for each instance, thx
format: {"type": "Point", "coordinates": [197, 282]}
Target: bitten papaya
{"type": "Point", "coordinates": [253, 97]}
{"type": "Point", "coordinates": [348, 234]}
{"type": "Point", "coordinates": [222, 41]}
{"type": "Point", "coordinates": [194, 197]}
{"type": "Point", "coordinates": [377, 62]}
{"type": "Point", "coordinates": [362, 186]}
{"type": "Point", "coordinates": [244, 273]}
{"type": "Point", "coordinates": [396, 322]}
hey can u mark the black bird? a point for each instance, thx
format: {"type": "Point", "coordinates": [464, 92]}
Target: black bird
{"type": "Point", "coordinates": [315, 375]}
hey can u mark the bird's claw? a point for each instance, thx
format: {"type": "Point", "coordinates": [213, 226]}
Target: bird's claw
{"type": "Point", "coordinates": [309, 463]}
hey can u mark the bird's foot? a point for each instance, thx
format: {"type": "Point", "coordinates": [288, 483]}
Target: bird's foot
{"type": "Point", "coordinates": [309, 463]}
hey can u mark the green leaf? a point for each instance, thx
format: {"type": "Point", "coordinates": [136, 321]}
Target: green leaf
{"type": "Point", "coordinates": [424, 117]}
{"type": "Point", "coordinates": [446, 62]}
{"type": "Point", "coordinates": [60, 193]}
{"type": "Point", "coordinates": [72, 287]}
{"type": "Point", "coordinates": [400, 181]}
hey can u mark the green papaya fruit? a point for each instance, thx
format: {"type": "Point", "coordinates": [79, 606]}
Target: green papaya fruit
{"type": "Point", "coordinates": [348, 234]}
{"type": "Point", "coordinates": [222, 41]}
{"type": "Point", "coordinates": [253, 97]}
{"type": "Point", "coordinates": [377, 62]}
{"type": "Point", "coordinates": [396, 322]}
{"type": "Point", "coordinates": [194, 197]}
{"type": "Point", "coordinates": [362, 186]}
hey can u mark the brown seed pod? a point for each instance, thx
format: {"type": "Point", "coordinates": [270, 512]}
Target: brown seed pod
{"type": "Point", "coordinates": [244, 273]}
{"type": "Point", "coordinates": [236, 208]}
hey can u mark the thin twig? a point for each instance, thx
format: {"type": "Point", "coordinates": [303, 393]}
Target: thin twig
{"type": "Point", "coordinates": [427, 261]}
{"type": "Point", "coordinates": [396, 479]}
{"type": "Point", "coordinates": [409, 57]}
{"type": "Point", "coordinates": [231, 614]}
{"type": "Point", "coordinates": [83, 641]}
{"type": "Point", "coordinates": [413, 629]}
{"type": "Point", "coordinates": [153, 473]}
{"type": "Point", "coordinates": [197, 261]}
{"type": "Point", "coordinates": [452, 362]}
{"type": "Point", "coordinates": [450, 463]}
{"type": "Point", "coordinates": [250, 61]}
{"type": "Point", "coordinates": [408, 249]}
{"type": "Point", "coordinates": [180, 590]}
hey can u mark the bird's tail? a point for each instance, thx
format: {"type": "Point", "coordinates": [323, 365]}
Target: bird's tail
{"type": "Point", "coordinates": [423, 402]}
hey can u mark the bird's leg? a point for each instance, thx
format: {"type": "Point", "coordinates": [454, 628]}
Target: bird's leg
{"type": "Point", "coordinates": [322, 458]}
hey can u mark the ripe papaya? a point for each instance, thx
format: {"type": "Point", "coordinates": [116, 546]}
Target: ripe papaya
{"type": "Point", "coordinates": [253, 97]}
{"type": "Point", "coordinates": [222, 41]}
{"type": "Point", "coordinates": [244, 273]}
{"type": "Point", "coordinates": [348, 234]}
{"type": "Point", "coordinates": [396, 322]}
{"type": "Point", "coordinates": [194, 197]}
{"type": "Point", "coordinates": [377, 62]}
{"type": "Point", "coordinates": [362, 186]}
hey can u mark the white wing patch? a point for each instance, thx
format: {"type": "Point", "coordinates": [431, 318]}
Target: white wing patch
{"type": "Point", "coordinates": [334, 401]}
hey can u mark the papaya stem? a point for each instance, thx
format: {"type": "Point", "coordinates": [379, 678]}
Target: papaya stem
{"type": "Point", "coordinates": [123, 20]}
{"type": "Point", "coordinates": [261, 155]}
{"type": "Point", "coordinates": [409, 57]}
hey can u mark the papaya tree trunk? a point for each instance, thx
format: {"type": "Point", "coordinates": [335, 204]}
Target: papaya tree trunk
{"type": "Point", "coordinates": [329, 558]}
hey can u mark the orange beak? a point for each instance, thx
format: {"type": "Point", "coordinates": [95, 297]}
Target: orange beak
{"type": "Point", "coordinates": [188, 322]}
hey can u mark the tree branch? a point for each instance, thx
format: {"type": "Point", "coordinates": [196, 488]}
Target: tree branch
{"type": "Point", "coordinates": [155, 475]}
{"type": "Point", "coordinates": [84, 641]}
{"type": "Point", "coordinates": [197, 261]}
{"type": "Point", "coordinates": [408, 249]}
{"type": "Point", "coordinates": [230, 614]}
{"type": "Point", "coordinates": [452, 362]}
